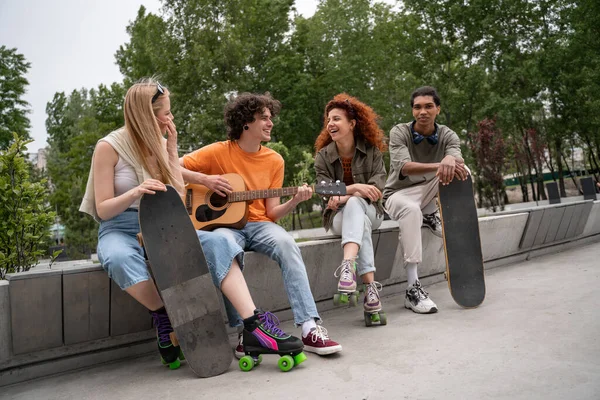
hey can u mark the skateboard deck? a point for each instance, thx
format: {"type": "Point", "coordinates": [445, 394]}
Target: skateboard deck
{"type": "Point", "coordinates": [184, 281]}
{"type": "Point", "coordinates": [462, 244]}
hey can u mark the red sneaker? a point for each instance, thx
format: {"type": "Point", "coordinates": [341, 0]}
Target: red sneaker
{"type": "Point", "coordinates": [319, 343]}
{"type": "Point", "coordinates": [239, 349]}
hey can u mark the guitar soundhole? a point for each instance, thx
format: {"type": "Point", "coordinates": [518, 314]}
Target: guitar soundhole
{"type": "Point", "coordinates": [217, 201]}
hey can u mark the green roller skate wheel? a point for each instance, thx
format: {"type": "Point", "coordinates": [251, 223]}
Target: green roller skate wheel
{"type": "Point", "coordinates": [368, 321]}
{"type": "Point", "coordinates": [246, 363]}
{"type": "Point", "coordinates": [383, 318]}
{"type": "Point", "coordinates": [162, 360]}
{"type": "Point", "coordinates": [344, 298]}
{"type": "Point", "coordinates": [336, 299]}
{"type": "Point", "coordinates": [181, 356]}
{"type": "Point", "coordinates": [299, 358]}
{"type": "Point", "coordinates": [258, 360]}
{"type": "Point", "coordinates": [285, 363]}
{"type": "Point", "coordinates": [175, 364]}
{"type": "Point", "coordinates": [375, 317]}
{"type": "Point", "coordinates": [353, 300]}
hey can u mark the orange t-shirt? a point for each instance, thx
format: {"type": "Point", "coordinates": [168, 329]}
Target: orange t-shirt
{"type": "Point", "coordinates": [261, 170]}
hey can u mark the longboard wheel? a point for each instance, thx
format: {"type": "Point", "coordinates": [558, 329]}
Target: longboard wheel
{"type": "Point", "coordinates": [246, 363]}
{"type": "Point", "coordinates": [299, 358]}
{"type": "Point", "coordinates": [285, 363]}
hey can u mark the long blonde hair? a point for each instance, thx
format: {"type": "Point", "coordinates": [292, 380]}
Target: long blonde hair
{"type": "Point", "coordinates": [143, 129]}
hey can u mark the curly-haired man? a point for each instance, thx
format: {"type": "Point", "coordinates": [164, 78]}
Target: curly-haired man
{"type": "Point", "coordinates": [249, 123]}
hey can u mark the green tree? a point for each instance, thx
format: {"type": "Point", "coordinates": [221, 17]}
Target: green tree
{"type": "Point", "coordinates": [25, 215]}
{"type": "Point", "coordinates": [75, 123]}
{"type": "Point", "coordinates": [13, 84]}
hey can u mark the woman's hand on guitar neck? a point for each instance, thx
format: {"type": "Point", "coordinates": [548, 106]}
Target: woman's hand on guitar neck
{"type": "Point", "coordinates": [217, 183]}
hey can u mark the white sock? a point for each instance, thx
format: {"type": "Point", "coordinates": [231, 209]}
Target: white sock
{"type": "Point", "coordinates": [411, 274]}
{"type": "Point", "coordinates": [307, 326]}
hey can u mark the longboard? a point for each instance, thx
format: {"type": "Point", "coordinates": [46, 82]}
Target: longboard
{"type": "Point", "coordinates": [462, 244]}
{"type": "Point", "coordinates": [181, 274]}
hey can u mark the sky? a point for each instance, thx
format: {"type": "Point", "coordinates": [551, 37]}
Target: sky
{"type": "Point", "coordinates": [71, 45]}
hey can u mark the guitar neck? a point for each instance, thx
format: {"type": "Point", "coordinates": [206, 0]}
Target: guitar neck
{"type": "Point", "coordinates": [250, 195]}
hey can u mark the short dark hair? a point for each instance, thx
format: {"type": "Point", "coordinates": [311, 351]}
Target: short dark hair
{"type": "Point", "coordinates": [425, 91]}
{"type": "Point", "coordinates": [241, 110]}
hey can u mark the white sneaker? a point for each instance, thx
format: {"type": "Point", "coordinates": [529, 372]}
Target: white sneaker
{"type": "Point", "coordinates": [418, 300]}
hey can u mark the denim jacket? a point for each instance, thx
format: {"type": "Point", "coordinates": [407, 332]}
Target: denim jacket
{"type": "Point", "coordinates": [367, 167]}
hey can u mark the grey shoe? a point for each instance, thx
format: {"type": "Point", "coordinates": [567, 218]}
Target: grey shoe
{"type": "Point", "coordinates": [433, 222]}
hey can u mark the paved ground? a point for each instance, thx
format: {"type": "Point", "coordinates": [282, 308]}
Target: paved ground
{"type": "Point", "coordinates": [536, 336]}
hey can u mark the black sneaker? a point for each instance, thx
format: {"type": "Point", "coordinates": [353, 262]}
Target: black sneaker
{"type": "Point", "coordinates": [433, 222]}
{"type": "Point", "coordinates": [170, 354]}
{"type": "Point", "coordinates": [262, 335]}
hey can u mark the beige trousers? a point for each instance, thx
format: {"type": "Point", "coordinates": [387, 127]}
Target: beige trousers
{"type": "Point", "coordinates": [407, 207]}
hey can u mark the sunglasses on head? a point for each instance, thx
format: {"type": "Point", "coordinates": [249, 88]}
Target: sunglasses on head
{"type": "Point", "coordinates": [159, 90]}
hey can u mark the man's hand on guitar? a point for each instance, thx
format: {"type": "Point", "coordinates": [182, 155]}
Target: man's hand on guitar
{"type": "Point", "coordinates": [305, 192]}
{"type": "Point", "coordinates": [218, 184]}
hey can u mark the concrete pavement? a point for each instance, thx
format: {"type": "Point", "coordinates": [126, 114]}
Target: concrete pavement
{"type": "Point", "coordinates": [536, 336]}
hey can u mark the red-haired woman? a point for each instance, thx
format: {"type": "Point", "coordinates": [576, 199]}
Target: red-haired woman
{"type": "Point", "coordinates": [349, 149]}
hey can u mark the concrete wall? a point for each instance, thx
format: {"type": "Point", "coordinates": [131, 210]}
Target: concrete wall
{"type": "Point", "coordinates": [72, 316]}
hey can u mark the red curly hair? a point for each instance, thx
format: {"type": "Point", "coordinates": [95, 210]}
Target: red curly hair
{"type": "Point", "coordinates": [366, 122]}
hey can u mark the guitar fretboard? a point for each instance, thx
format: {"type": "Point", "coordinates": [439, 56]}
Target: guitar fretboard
{"type": "Point", "coordinates": [249, 195]}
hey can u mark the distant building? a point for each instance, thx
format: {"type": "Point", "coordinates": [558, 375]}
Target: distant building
{"type": "Point", "coordinates": [38, 159]}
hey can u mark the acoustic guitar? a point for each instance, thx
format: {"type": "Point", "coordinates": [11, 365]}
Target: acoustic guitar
{"type": "Point", "coordinates": [209, 211]}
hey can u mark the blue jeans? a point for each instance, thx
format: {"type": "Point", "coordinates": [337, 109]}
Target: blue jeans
{"type": "Point", "coordinates": [272, 240]}
{"type": "Point", "coordinates": [123, 258]}
{"type": "Point", "coordinates": [355, 222]}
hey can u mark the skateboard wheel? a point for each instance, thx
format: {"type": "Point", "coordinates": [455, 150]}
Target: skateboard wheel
{"type": "Point", "coordinates": [299, 358]}
{"type": "Point", "coordinates": [247, 363]}
{"type": "Point", "coordinates": [175, 364]}
{"type": "Point", "coordinates": [285, 363]}
{"type": "Point", "coordinates": [382, 318]}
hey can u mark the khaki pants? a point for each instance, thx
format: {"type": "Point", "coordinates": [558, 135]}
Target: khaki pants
{"type": "Point", "coordinates": [407, 206]}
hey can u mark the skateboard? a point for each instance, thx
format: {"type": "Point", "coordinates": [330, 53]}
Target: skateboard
{"type": "Point", "coordinates": [184, 281]}
{"type": "Point", "coordinates": [462, 244]}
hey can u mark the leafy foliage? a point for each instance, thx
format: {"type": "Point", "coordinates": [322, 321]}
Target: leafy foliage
{"type": "Point", "coordinates": [25, 215]}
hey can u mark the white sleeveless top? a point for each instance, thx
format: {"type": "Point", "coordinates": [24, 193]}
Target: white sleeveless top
{"type": "Point", "coordinates": [125, 180]}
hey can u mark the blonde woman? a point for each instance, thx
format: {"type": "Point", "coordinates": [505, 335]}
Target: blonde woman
{"type": "Point", "coordinates": [137, 160]}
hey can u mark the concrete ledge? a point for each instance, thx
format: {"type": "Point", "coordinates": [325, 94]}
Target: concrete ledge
{"type": "Point", "coordinates": [5, 325]}
{"type": "Point", "coordinates": [102, 323]}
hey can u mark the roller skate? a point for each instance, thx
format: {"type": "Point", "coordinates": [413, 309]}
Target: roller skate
{"type": "Point", "coordinates": [372, 305]}
{"type": "Point", "coordinates": [168, 347]}
{"type": "Point", "coordinates": [347, 292]}
{"type": "Point", "coordinates": [262, 335]}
